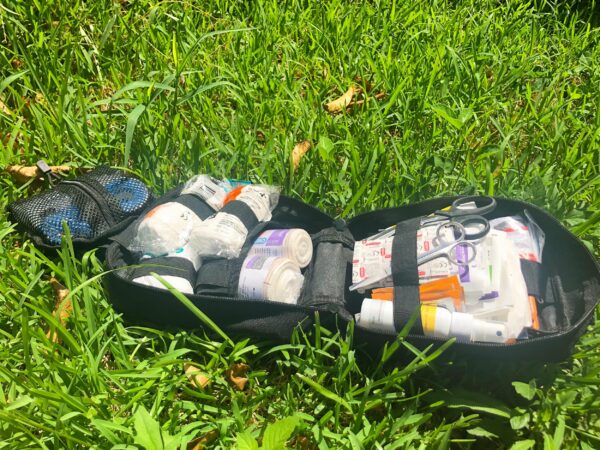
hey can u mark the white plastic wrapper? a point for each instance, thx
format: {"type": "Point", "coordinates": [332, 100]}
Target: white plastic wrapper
{"type": "Point", "coordinates": [524, 233]}
{"type": "Point", "coordinates": [209, 189]}
{"type": "Point", "coordinates": [270, 278]}
{"type": "Point", "coordinates": [165, 230]}
{"type": "Point", "coordinates": [224, 234]}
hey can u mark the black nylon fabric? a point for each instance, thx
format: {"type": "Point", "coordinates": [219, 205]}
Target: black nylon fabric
{"type": "Point", "coordinates": [535, 278]}
{"type": "Point", "coordinates": [197, 205]}
{"type": "Point", "coordinates": [405, 274]}
{"type": "Point", "coordinates": [569, 286]}
{"type": "Point", "coordinates": [94, 206]}
{"type": "Point", "coordinates": [172, 265]}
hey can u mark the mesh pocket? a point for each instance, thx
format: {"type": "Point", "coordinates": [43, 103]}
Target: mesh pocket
{"type": "Point", "coordinates": [91, 206]}
{"type": "Point", "coordinates": [43, 215]}
{"type": "Point", "coordinates": [124, 195]}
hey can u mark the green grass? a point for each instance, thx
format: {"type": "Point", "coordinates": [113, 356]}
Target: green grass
{"type": "Point", "coordinates": [482, 96]}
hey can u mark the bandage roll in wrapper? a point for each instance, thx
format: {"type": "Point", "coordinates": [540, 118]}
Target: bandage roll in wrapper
{"type": "Point", "coordinates": [270, 278]}
{"type": "Point", "coordinates": [164, 235]}
{"type": "Point", "coordinates": [294, 244]}
{"type": "Point", "coordinates": [224, 234]}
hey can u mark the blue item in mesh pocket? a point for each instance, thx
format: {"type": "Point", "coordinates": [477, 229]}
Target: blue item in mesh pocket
{"type": "Point", "coordinates": [52, 225]}
{"type": "Point", "coordinates": [131, 194]}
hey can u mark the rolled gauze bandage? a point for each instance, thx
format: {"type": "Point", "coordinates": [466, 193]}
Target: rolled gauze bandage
{"type": "Point", "coordinates": [294, 244]}
{"type": "Point", "coordinates": [270, 278]}
{"type": "Point", "coordinates": [224, 233]}
{"type": "Point", "coordinates": [165, 229]}
{"type": "Point", "coordinates": [164, 239]}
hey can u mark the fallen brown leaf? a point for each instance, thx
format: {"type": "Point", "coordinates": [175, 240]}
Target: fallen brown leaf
{"type": "Point", "coordinates": [62, 308]}
{"type": "Point", "coordinates": [200, 442]}
{"type": "Point", "coordinates": [299, 151]}
{"type": "Point", "coordinates": [236, 375]}
{"type": "Point", "coordinates": [5, 109]}
{"type": "Point", "coordinates": [23, 174]}
{"type": "Point", "coordinates": [197, 378]}
{"type": "Point", "coordinates": [342, 102]}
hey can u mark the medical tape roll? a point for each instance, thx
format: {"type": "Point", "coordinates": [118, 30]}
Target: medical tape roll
{"type": "Point", "coordinates": [294, 244]}
{"type": "Point", "coordinates": [270, 278]}
{"type": "Point", "coordinates": [224, 234]}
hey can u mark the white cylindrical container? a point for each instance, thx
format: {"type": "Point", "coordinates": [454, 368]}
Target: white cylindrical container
{"type": "Point", "coordinates": [294, 244]}
{"type": "Point", "coordinates": [377, 315]}
{"type": "Point", "coordinates": [440, 322]}
{"type": "Point", "coordinates": [270, 278]}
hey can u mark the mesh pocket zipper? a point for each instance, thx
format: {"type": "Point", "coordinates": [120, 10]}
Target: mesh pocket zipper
{"type": "Point", "coordinates": [96, 198]}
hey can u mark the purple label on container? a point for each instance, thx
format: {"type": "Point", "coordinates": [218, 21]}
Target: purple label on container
{"type": "Point", "coordinates": [462, 256]}
{"type": "Point", "coordinates": [256, 262]}
{"type": "Point", "coordinates": [277, 237]}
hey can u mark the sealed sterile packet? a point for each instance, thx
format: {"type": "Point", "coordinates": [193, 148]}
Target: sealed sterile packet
{"type": "Point", "coordinates": [565, 287]}
{"type": "Point", "coordinates": [93, 207]}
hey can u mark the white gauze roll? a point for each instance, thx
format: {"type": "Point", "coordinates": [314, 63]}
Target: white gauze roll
{"type": "Point", "coordinates": [165, 229]}
{"type": "Point", "coordinates": [270, 278]}
{"type": "Point", "coordinates": [294, 244]}
{"type": "Point", "coordinates": [224, 233]}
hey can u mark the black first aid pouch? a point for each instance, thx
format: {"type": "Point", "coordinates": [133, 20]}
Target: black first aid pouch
{"type": "Point", "coordinates": [94, 206]}
{"type": "Point", "coordinates": [566, 285]}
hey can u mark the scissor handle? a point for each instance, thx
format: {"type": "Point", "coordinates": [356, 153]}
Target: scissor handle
{"type": "Point", "coordinates": [452, 255]}
{"type": "Point", "coordinates": [474, 226]}
{"type": "Point", "coordinates": [458, 205]}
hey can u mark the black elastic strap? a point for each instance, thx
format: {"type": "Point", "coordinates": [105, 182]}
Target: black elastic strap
{"type": "Point", "coordinates": [405, 273]}
{"type": "Point", "coordinates": [334, 235]}
{"type": "Point", "coordinates": [165, 265]}
{"type": "Point", "coordinates": [242, 212]}
{"type": "Point", "coordinates": [535, 278]}
{"type": "Point", "coordinates": [196, 204]}
{"type": "Point", "coordinates": [215, 278]}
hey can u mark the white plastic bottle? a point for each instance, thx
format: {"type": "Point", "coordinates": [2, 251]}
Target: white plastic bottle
{"type": "Point", "coordinates": [440, 322]}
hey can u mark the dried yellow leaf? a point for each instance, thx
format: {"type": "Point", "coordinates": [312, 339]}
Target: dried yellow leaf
{"type": "Point", "coordinates": [62, 308]}
{"type": "Point", "coordinates": [200, 442]}
{"type": "Point", "coordinates": [23, 174]}
{"type": "Point", "coordinates": [236, 375]}
{"type": "Point", "coordinates": [342, 102]}
{"type": "Point", "coordinates": [299, 151]}
{"type": "Point", "coordinates": [197, 378]}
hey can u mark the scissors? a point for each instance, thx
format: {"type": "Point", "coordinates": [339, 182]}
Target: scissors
{"type": "Point", "coordinates": [447, 249]}
{"type": "Point", "coordinates": [463, 210]}
{"type": "Point", "coordinates": [466, 212]}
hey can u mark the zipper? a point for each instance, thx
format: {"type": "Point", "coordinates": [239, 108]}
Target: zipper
{"type": "Point", "coordinates": [96, 197]}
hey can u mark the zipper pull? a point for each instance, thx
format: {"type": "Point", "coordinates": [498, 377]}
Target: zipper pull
{"type": "Point", "coordinates": [47, 171]}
